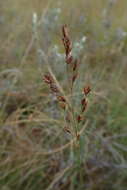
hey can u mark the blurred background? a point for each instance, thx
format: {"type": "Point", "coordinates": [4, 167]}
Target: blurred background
{"type": "Point", "coordinates": [34, 149]}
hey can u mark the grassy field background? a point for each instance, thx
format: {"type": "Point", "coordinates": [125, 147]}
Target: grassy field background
{"type": "Point", "coordinates": [35, 150]}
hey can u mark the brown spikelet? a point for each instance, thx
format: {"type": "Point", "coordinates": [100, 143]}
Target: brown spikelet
{"type": "Point", "coordinates": [87, 90]}
{"type": "Point", "coordinates": [69, 59]}
{"type": "Point", "coordinates": [61, 99]}
{"type": "Point", "coordinates": [54, 88]}
{"type": "Point", "coordinates": [67, 44]}
{"type": "Point", "coordinates": [72, 66]}
{"type": "Point", "coordinates": [79, 118]}
{"type": "Point", "coordinates": [48, 78]}
{"type": "Point", "coordinates": [84, 104]}
{"type": "Point", "coordinates": [83, 101]}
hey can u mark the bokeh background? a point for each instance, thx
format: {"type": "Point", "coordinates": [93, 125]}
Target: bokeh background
{"type": "Point", "coordinates": [34, 149]}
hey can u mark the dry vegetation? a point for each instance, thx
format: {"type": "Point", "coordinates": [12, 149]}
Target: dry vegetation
{"type": "Point", "coordinates": [54, 134]}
